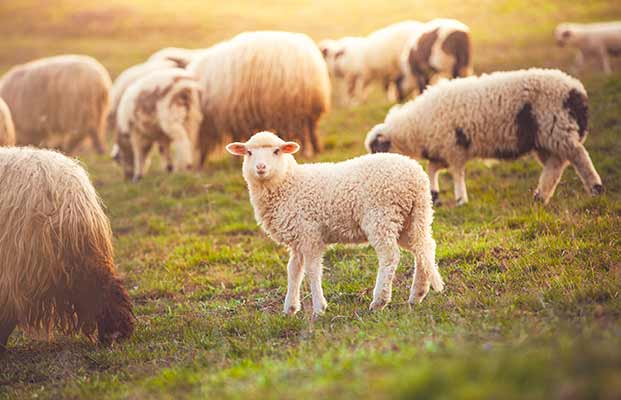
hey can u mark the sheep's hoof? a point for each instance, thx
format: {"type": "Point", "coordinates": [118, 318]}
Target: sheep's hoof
{"type": "Point", "coordinates": [320, 310]}
{"type": "Point", "coordinates": [597, 189]}
{"type": "Point", "coordinates": [292, 309]}
{"type": "Point", "coordinates": [379, 304]}
{"type": "Point", "coordinates": [461, 201]}
{"type": "Point", "coordinates": [537, 197]}
{"type": "Point", "coordinates": [169, 168]}
{"type": "Point", "coordinates": [417, 297]}
{"type": "Point", "coordinates": [136, 179]}
{"type": "Point", "coordinates": [435, 198]}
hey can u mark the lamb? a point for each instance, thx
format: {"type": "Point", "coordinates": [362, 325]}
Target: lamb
{"type": "Point", "coordinates": [375, 57]}
{"type": "Point", "coordinates": [503, 115]}
{"type": "Point", "coordinates": [56, 265]}
{"type": "Point", "coordinates": [58, 101]}
{"type": "Point", "coordinates": [7, 131]}
{"type": "Point", "coordinates": [164, 107]}
{"type": "Point", "coordinates": [592, 40]}
{"type": "Point", "coordinates": [180, 56]}
{"type": "Point", "coordinates": [383, 199]}
{"type": "Point", "coordinates": [263, 80]}
{"type": "Point", "coordinates": [441, 49]}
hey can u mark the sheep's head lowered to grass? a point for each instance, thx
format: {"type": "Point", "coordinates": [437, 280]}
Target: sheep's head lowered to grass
{"type": "Point", "coordinates": [267, 158]}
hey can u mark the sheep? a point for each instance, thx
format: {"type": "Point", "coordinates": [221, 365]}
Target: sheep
{"type": "Point", "coordinates": [164, 107]}
{"type": "Point", "coordinates": [57, 101]}
{"type": "Point", "coordinates": [375, 57]}
{"type": "Point", "coordinates": [503, 115]}
{"type": "Point", "coordinates": [180, 56]}
{"type": "Point", "coordinates": [382, 199]}
{"type": "Point", "coordinates": [441, 49]}
{"type": "Point", "coordinates": [592, 40]}
{"type": "Point", "coordinates": [7, 131]}
{"type": "Point", "coordinates": [56, 265]}
{"type": "Point", "coordinates": [262, 80]}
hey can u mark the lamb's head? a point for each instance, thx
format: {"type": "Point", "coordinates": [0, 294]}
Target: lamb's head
{"type": "Point", "coordinates": [267, 158]}
{"type": "Point", "coordinates": [378, 140]}
{"type": "Point", "coordinates": [564, 34]}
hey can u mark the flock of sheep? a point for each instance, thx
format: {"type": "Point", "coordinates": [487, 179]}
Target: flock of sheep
{"type": "Point", "coordinates": [56, 266]}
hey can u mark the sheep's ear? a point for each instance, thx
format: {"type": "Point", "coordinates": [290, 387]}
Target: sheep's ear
{"type": "Point", "coordinates": [289, 147]}
{"type": "Point", "coordinates": [236, 148]}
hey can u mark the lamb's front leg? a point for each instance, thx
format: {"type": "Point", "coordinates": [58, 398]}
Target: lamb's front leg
{"type": "Point", "coordinates": [459, 181]}
{"type": "Point", "coordinates": [295, 272]}
{"type": "Point", "coordinates": [313, 267]}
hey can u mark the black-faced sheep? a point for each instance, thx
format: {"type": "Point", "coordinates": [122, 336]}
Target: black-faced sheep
{"type": "Point", "coordinates": [596, 41]}
{"type": "Point", "coordinates": [382, 199]}
{"type": "Point", "coordinates": [56, 265]}
{"type": "Point", "coordinates": [58, 101]}
{"type": "Point", "coordinates": [503, 115]}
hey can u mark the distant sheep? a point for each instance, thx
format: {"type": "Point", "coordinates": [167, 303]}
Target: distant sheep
{"type": "Point", "coordinates": [596, 41]}
{"type": "Point", "coordinates": [164, 107]}
{"type": "Point", "coordinates": [375, 57]}
{"type": "Point", "coordinates": [180, 56]}
{"type": "Point", "coordinates": [58, 101]}
{"type": "Point", "coordinates": [441, 49]}
{"type": "Point", "coordinates": [7, 131]}
{"type": "Point", "coordinates": [263, 80]}
{"type": "Point", "coordinates": [382, 199]}
{"type": "Point", "coordinates": [56, 266]}
{"type": "Point", "coordinates": [503, 115]}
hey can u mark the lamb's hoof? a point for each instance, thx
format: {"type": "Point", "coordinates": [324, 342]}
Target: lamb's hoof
{"type": "Point", "coordinates": [417, 297]}
{"type": "Point", "coordinates": [169, 168]}
{"type": "Point", "coordinates": [597, 189]}
{"type": "Point", "coordinates": [136, 179]}
{"type": "Point", "coordinates": [320, 309]}
{"type": "Point", "coordinates": [292, 309]}
{"type": "Point", "coordinates": [379, 304]}
{"type": "Point", "coordinates": [461, 201]}
{"type": "Point", "coordinates": [435, 198]}
{"type": "Point", "coordinates": [538, 198]}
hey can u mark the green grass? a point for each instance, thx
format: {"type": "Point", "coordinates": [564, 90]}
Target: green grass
{"type": "Point", "coordinates": [532, 306]}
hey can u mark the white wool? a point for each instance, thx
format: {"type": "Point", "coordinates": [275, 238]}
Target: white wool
{"type": "Point", "coordinates": [382, 199]}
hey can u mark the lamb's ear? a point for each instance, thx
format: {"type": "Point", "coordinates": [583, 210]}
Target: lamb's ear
{"type": "Point", "coordinates": [289, 147]}
{"type": "Point", "coordinates": [236, 148]}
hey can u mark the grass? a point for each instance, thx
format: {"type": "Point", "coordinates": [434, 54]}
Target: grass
{"type": "Point", "coordinates": [532, 306]}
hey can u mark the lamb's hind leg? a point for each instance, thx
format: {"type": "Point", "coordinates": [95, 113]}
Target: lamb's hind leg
{"type": "Point", "coordinates": [384, 241]}
{"type": "Point", "coordinates": [6, 328]}
{"type": "Point", "coordinates": [553, 167]}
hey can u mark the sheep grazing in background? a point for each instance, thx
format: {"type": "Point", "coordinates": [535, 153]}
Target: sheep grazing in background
{"type": "Point", "coordinates": [594, 41]}
{"type": "Point", "coordinates": [263, 81]}
{"type": "Point", "coordinates": [503, 115]}
{"type": "Point", "coordinates": [382, 199]}
{"type": "Point", "coordinates": [7, 131]}
{"type": "Point", "coordinates": [56, 266]}
{"type": "Point", "coordinates": [180, 56]}
{"type": "Point", "coordinates": [164, 107]}
{"type": "Point", "coordinates": [58, 101]}
{"type": "Point", "coordinates": [375, 57]}
{"type": "Point", "coordinates": [441, 49]}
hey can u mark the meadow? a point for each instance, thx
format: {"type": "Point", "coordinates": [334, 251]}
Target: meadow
{"type": "Point", "coordinates": [532, 307]}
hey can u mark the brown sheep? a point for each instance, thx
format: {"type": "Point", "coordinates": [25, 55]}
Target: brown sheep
{"type": "Point", "coordinates": [7, 131]}
{"type": "Point", "coordinates": [56, 266]}
{"type": "Point", "coordinates": [57, 101]}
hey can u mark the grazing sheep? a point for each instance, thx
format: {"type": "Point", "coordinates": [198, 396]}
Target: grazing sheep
{"type": "Point", "coordinates": [57, 101]}
{"type": "Point", "coordinates": [375, 57]}
{"type": "Point", "coordinates": [263, 80]}
{"type": "Point", "coordinates": [441, 49]}
{"type": "Point", "coordinates": [595, 41]}
{"type": "Point", "coordinates": [164, 107]}
{"type": "Point", "coordinates": [180, 56]}
{"type": "Point", "coordinates": [503, 115]}
{"type": "Point", "coordinates": [382, 199]}
{"type": "Point", "coordinates": [7, 131]}
{"type": "Point", "coordinates": [56, 266]}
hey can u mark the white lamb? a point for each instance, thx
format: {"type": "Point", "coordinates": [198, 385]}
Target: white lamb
{"type": "Point", "coordinates": [503, 115]}
{"type": "Point", "coordinates": [382, 199]}
{"type": "Point", "coordinates": [595, 41]}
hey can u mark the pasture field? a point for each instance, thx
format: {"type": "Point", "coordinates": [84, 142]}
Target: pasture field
{"type": "Point", "coordinates": [532, 307]}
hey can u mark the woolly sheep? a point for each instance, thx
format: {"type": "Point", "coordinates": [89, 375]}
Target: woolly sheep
{"type": "Point", "coordinates": [180, 56]}
{"type": "Point", "coordinates": [56, 266]}
{"type": "Point", "coordinates": [57, 101]}
{"type": "Point", "coordinates": [7, 131]}
{"type": "Point", "coordinates": [440, 49]}
{"type": "Point", "coordinates": [592, 40]}
{"type": "Point", "coordinates": [503, 115]}
{"type": "Point", "coordinates": [383, 199]}
{"type": "Point", "coordinates": [263, 80]}
{"type": "Point", "coordinates": [375, 57]}
{"type": "Point", "coordinates": [163, 107]}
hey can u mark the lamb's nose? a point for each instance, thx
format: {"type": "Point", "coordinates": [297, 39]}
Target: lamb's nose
{"type": "Point", "coordinates": [261, 168]}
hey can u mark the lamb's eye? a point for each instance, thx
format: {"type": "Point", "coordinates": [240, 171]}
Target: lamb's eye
{"type": "Point", "coordinates": [249, 153]}
{"type": "Point", "coordinates": [276, 152]}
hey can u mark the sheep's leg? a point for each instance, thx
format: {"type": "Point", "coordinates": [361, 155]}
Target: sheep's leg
{"type": "Point", "coordinates": [295, 275]}
{"type": "Point", "coordinates": [603, 55]}
{"type": "Point", "coordinates": [352, 85]}
{"type": "Point", "coordinates": [434, 172]}
{"type": "Point", "coordinates": [166, 155]}
{"type": "Point", "coordinates": [313, 267]}
{"type": "Point", "coordinates": [6, 328]}
{"type": "Point", "coordinates": [314, 137]}
{"type": "Point", "coordinates": [141, 149]}
{"type": "Point", "coordinates": [579, 63]}
{"type": "Point", "coordinates": [388, 255]}
{"type": "Point", "coordinates": [583, 165]}
{"type": "Point", "coordinates": [426, 272]}
{"type": "Point", "coordinates": [459, 182]}
{"type": "Point", "coordinates": [71, 143]}
{"type": "Point", "coordinates": [96, 140]}
{"type": "Point", "coordinates": [553, 168]}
